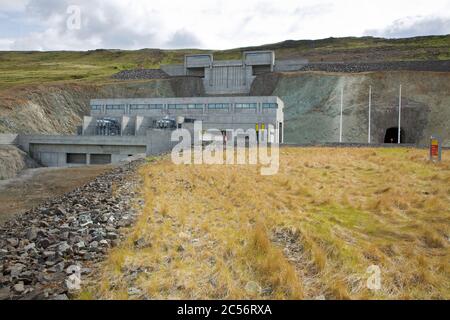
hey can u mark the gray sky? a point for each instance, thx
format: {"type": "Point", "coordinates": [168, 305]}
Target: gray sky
{"type": "Point", "coordinates": [208, 24]}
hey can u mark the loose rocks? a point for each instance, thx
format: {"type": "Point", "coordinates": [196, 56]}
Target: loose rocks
{"type": "Point", "coordinates": [77, 228]}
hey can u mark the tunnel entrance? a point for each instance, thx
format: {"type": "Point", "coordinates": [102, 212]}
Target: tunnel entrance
{"type": "Point", "coordinates": [391, 135]}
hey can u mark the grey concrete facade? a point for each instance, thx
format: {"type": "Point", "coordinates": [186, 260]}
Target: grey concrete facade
{"type": "Point", "coordinates": [222, 113]}
{"type": "Point", "coordinates": [225, 76]}
{"type": "Point", "coordinates": [136, 119]}
{"type": "Point", "coordinates": [56, 151]}
{"type": "Point", "coordinates": [231, 76]}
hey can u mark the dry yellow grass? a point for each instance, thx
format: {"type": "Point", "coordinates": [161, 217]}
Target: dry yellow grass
{"type": "Point", "coordinates": [311, 231]}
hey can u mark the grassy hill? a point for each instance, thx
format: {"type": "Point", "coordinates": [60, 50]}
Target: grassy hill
{"type": "Point", "coordinates": [98, 65]}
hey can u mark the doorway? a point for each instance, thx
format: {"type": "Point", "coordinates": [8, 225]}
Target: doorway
{"type": "Point", "coordinates": [391, 135]}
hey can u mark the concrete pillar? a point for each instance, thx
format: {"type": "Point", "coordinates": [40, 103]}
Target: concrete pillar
{"type": "Point", "coordinates": [139, 123]}
{"type": "Point", "coordinates": [124, 125]}
{"type": "Point", "coordinates": [88, 126]}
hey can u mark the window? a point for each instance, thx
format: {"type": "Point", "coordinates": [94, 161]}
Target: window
{"type": "Point", "coordinates": [100, 159]}
{"type": "Point", "coordinates": [145, 106]}
{"type": "Point", "coordinates": [246, 105]}
{"type": "Point", "coordinates": [76, 158]}
{"type": "Point", "coordinates": [115, 107]}
{"type": "Point", "coordinates": [177, 106]}
{"type": "Point", "coordinates": [270, 106]}
{"type": "Point", "coordinates": [195, 106]}
{"type": "Point", "coordinates": [96, 107]}
{"type": "Point", "coordinates": [218, 106]}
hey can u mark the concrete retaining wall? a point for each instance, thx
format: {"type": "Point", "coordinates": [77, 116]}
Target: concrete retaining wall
{"type": "Point", "coordinates": [8, 139]}
{"type": "Point", "coordinates": [174, 70]}
{"type": "Point", "coordinates": [53, 151]}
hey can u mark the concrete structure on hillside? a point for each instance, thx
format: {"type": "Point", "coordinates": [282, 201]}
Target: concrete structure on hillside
{"type": "Point", "coordinates": [119, 128]}
{"type": "Point", "coordinates": [136, 116]}
{"type": "Point", "coordinates": [231, 76]}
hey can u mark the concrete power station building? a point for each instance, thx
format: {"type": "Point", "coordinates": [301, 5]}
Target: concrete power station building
{"type": "Point", "coordinates": [119, 128]}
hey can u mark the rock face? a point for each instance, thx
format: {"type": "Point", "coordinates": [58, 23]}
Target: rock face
{"type": "Point", "coordinates": [312, 106]}
{"type": "Point", "coordinates": [13, 160]}
{"type": "Point", "coordinates": [59, 108]}
{"type": "Point", "coordinates": [45, 252]}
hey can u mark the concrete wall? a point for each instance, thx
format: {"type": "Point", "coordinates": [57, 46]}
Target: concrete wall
{"type": "Point", "coordinates": [89, 125]}
{"type": "Point", "coordinates": [225, 76]}
{"type": "Point", "coordinates": [228, 79]}
{"type": "Point", "coordinates": [174, 70]}
{"type": "Point", "coordinates": [198, 61]}
{"type": "Point", "coordinates": [8, 139]}
{"type": "Point", "coordinates": [290, 65]}
{"type": "Point", "coordinates": [259, 58]}
{"type": "Point", "coordinates": [52, 150]}
{"type": "Point", "coordinates": [229, 118]}
{"type": "Point", "coordinates": [128, 126]}
{"type": "Point", "coordinates": [158, 141]}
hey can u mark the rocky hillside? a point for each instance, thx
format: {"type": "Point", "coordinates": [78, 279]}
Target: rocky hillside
{"type": "Point", "coordinates": [312, 106]}
{"type": "Point", "coordinates": [12, 161]}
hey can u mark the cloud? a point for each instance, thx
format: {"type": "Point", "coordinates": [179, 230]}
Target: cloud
{"type": "Point", "coordinates": [102, 26]}
{"type": "Point", "coordinates": [13, 5]}
{"type": "Point", "coordinates": [215, 24]}
{"type": "Point", "coordinates": [413, 26]}
{"type": "Point", "coordinates": [184, 39]}
{"type": "Point", "coordinates": [5, 44]}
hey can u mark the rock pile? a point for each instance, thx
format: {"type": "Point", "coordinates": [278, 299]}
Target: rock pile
{"type": "Point", "coordinates": [436, 66]}
{"type": "Point", "coordinates": [42, 249]}
{"type": "Point", "coordinates": [140, 74]}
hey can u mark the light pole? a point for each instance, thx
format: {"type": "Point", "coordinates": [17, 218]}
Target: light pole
{"type": "Point", "coordinates": [340, 120]}
{"type": "Point", "coordinates": [399, 115]}
{"type": "Point", "coordinates": [370, 106]}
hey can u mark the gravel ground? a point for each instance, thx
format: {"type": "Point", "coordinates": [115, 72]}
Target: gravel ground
{"type": "Point", "coordinates": [141, 74]}
{"type": "Point", "coordinates": [436, 66]}
{"type": "Point", "coordinates": [45, 251]}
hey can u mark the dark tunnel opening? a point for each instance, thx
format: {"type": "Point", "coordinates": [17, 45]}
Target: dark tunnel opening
{"type": "Point", "coordinates": [391, 135]}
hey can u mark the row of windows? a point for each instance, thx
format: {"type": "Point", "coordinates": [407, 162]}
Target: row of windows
{"type": "Point", "coordinates": [177, 106]}
{"type": "Point", "coordinates": [115, 107]}
{"type": "Point", "coordinates": [270, 106]}
{"type": "Point", "coordinates": [218, 106]}
{"type": "Point", "coordinates": [195, 106]}
{"type": "Point", "coordinates": [146, 106]}
{"type": "Point", "coordinates": [186, 106]}
{"type": "Point", "coordinates": [246, 105]}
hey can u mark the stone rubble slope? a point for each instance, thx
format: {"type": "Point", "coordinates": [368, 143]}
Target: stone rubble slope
{"type": "Point", "coordinates": [40, 248]}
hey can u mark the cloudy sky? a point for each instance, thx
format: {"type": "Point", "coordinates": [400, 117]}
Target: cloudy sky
{"type": "Point", "coordinates": [208, 24]}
